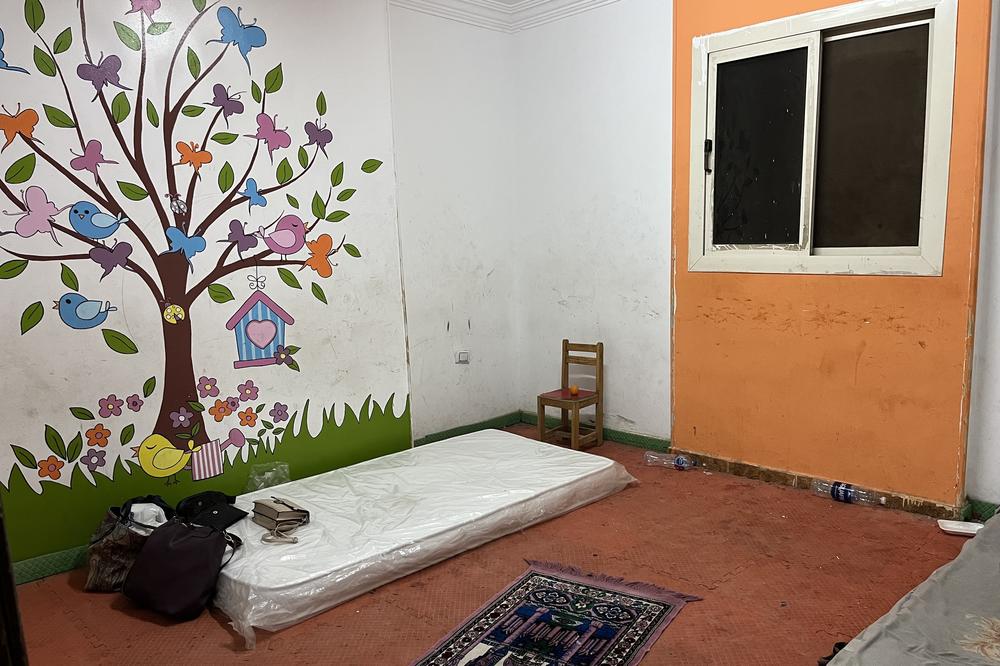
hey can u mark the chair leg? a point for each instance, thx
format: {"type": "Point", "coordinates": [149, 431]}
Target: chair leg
{"type": "Point", "coordinates": [541, 421]}
{"type": "Point", "coordinates": [565, 419]}
{"type": "Point", "coordinates": [599, 425]}
{"type": "Point", "coordinates": [575, 433]}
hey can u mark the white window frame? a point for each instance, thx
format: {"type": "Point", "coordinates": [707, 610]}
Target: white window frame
{"type": "Point", "coordinates": [806, 29]}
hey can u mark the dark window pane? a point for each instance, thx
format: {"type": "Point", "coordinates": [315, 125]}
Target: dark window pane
{"type": "Point", "coordinates": [759, 123]}
{"type": "Point", "coordinates": [873, 99]}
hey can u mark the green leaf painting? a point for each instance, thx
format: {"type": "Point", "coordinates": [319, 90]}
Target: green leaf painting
{"type": "Point", "coordinates": [371, 166]}
{"type": "Point", "coordinates": [220, 293]}
{"type": "Point", "coordinates": [21, 170]}
{"type": "Point", "coordinates": [54, 441]}
{"type": "Point", "coordinates": [128, 432]}
{"type": "Point", "coordinates": [121, 107]}
{"type": "Point", "coordinates": [58, 118]}
{"type": "Point", "coordinates": [132, 191]}
{"type": "Point", "coordinates": [352, 250]}
{"type": "Point", "coordinates": [75, 448]}
{"type": "Point", "coordinates": [13, 268]}
{"type": "Point", "coordinates": [151, 115]}
{"type": "Point", "coordinates": [224, 138]}
{"type": "Point", "coordinates": [255, 92]}
{"type": "Point", "coordinates": [119, 342]}
{"type": "Point", "coordinates": [63, 41]}
{"type": "Point", "coordinates": [321, 104]}
{"type": "Point", "coordinates": [318, 207]}
{"type": "Point", "coordinates": [318, 292]}
{"type": "Point", "coordinates": [128, 36]}
{"type": "Point", "coordinates": [226, 178]}
{"type": "Point", "coordinates": [148, 387]}
{"type": "Point", "coordinates": [193, 110]}
{"type": "Point", "coordinates": [284, 172]}
{"type": "Point", "coordinates": [25, 457]}
{"type": "Point", "coordinates": [194, 63]}
{"type": "Point", "coordinates": [337, 175]}
{"type": "Point", "coordinates": [158, 28]}
{"type": "Point", "coordinates": [346, 195]}
{"type": "Point", "coordinates": [337, 216]}
{"type": "Point", "coordinates": [31, 316]}
{"type": "Point", "coordinates": [68, 278]}
{"type": "Point", "coordinates": [82, 413]}
{"type": "Point", "coordinates": [44, 62]}
{"type": "Point", "coordinates": [274, 80]}
{"type": "Point", "coordinates": [34, 15]}
{"type": "Point", "coordinates": [292, 201]}
{"type": "Point", "coordinates": [289, 278]}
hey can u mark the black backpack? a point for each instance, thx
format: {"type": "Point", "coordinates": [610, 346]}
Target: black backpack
{"type": "Point", "coordinates": [178, 568]}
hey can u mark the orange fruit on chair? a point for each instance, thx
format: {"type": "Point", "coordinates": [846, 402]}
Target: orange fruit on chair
{"type": "Point", "coordinates": [574, 390]}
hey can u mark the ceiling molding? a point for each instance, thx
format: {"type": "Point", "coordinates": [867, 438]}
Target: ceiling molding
{"type": "Point", "coordinates": [502, 16]}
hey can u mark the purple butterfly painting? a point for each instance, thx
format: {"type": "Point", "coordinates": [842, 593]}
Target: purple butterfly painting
{"type": "Point", "coordinates": [93, 157]}
{"type": "Point", "coordinates": [238, 235]}
{"type": "Point", "coordinates": [319, 135]}
{"type": "Point", "coordinates": [110, 259]}
{"type": "Point", "coordinates": [230, 104]}
{"type": "Point", "coordinates": [103, 73]}
{"type": "Point", "coordinates": [148, 7]}
{"type": "Point", "coordinates": [267, 132]}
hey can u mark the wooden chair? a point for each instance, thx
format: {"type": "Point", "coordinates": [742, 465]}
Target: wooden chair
{"type": "Point", "coordinates": [570, 405]}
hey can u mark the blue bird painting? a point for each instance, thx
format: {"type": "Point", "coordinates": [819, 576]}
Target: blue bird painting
{"type": "Point", "coordinates": [79, 313]}
{"type": "Point", "coordinates": [88, 220]}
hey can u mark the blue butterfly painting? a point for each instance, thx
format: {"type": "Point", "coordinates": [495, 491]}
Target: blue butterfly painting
{"type": "Point", "coordinates": [188, 246]}
{"type": "Point", "coordinates": [244, 36]}
{"type": "Point", "coordinates": [253, 194]}
{"type": "Point", "coordinates": [3, 63]}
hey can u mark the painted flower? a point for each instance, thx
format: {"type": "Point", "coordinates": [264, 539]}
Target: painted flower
{"type": "Point", "coordinates": [207, 387]}
{"type": "Point", "coordinates": [50, 468]}
{"type": "Point", "coordinates": [98, 435]}
{"type": "Point", "coordinates": [110, 406]}
{"type": "Point", "coordinates": [248, 391]}
{"type": "Point", "coordinates": [220, 411]}
{"type": "Point", "coordinates": [134, 402]}
{"type": "Point", "coordinates": [233, 402]}
{"type": "Point", "coordinates": [279, 412]}
{"type": "Point", "coordinates": [181, 418]}
{"type": "Point", "coordinates": [148, 7]}
{"type": "Point", "coordinates": [94, 459]}
{"type": "Point", "coordinates": [281, 355]}
{"type": "Point", "coordinates": [248, 417]}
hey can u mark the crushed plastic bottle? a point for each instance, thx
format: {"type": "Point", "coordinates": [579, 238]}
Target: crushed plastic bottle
{"type": "Point", "coordinates": [677, 461]}
{"type": "Point", "coordinates": [847, 493]}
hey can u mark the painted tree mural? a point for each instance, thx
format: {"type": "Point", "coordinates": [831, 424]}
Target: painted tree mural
{"type": "Point", "coordinates": [195, 246]}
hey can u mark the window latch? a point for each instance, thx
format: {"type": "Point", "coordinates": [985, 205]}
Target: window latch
{"type": "Point", "coordinates": [708, 156]}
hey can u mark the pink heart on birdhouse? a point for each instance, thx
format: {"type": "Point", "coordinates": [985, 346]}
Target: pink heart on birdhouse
{"type": "Point", "coordinates": [261, 332]}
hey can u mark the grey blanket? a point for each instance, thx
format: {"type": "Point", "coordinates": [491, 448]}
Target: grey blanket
{"type": "Point", "coordinates": [953, 617]}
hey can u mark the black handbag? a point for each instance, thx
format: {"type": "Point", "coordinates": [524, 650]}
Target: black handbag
{"type": "Point", "coordinates": [116, 544]}
{"type": "Point", "coordinates": [212, 509]}
{"type": "Point", "coordinates": [178, 568]}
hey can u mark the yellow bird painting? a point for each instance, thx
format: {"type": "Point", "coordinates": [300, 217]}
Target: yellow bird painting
{"type": "Point", "coordinates": [161, 459]}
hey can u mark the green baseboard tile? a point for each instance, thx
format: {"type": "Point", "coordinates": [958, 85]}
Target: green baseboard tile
{"type": "Point", "coordinates": [498, 422]}
{"type": "Point", "coordinates": [26, 571]}
{"type": "Point", "coordinates": [620, 436]}
{"type": "Point", "coordinates": [978, 510]}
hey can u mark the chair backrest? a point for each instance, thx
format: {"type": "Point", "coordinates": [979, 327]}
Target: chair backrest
{"type": "Point", "coordinates": [578, 353]}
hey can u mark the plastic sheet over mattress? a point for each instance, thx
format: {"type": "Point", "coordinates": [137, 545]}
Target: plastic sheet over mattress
{"type": "Point", "coordinates": [383, 519]}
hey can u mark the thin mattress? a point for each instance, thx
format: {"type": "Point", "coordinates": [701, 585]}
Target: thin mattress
{"type": "Point", "coordinates": [386, 518]}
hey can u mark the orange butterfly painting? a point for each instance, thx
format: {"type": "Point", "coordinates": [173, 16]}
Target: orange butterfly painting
{"type": "Point", "coordinates": [191, 155]}
{"type": "Point", "coordinates": [22, 122]}
{"type": "Point", "coordinates": [319, 255]}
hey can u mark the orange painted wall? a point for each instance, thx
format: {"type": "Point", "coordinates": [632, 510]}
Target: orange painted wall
{"type": "Point", "coordinates": [857, 378]}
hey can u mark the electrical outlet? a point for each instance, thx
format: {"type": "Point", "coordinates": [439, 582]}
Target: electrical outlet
{"type": "Point", "coordinates": [462, 358]}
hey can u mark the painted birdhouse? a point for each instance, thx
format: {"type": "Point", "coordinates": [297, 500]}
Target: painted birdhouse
{"type": "Point", "coordinates": [259, 326]}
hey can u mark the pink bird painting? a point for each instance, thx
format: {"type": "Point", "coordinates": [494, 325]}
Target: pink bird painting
{"type": "Point", "coordinates": [38, 216]}
{"type": "Point", "coordinates": [288, 236]}
{"type": "Point", "coordinates": [93, 157]}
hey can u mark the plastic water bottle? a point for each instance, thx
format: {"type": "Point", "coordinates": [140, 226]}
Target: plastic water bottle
{"type": "Point", "coordinates": [677, 461]}
{"type": "Point", "coordinates": [847, 493]}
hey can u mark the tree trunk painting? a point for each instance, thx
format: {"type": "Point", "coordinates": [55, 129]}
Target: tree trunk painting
{"type": "Point", "coordinates": [193, 249]}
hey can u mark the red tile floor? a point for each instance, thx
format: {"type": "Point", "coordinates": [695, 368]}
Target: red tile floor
{"type": "Point", "coordinates": [783, 574]}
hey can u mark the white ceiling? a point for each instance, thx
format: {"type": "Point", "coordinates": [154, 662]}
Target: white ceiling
{"type": "Point", "coordinates": [502, 15]}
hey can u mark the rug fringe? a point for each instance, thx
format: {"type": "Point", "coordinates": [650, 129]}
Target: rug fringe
{"type": "Point", "coordinates": [635, 586]}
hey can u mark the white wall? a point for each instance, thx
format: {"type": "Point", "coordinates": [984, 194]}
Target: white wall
{"type": "Point", "coordinates": [453, 102]}
{"type": "Point", "coordinates": [594, 131]}
{"type": "Point", "coordinates": [983, 471]}
{"type": "Point", "coordinates": [534, 203]}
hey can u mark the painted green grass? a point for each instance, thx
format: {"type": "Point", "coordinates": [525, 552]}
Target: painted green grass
{"type": "Point", "coordinates": [62, 517]}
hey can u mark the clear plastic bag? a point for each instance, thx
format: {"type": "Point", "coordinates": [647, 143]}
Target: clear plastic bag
{"type": "Point", "coordinates": [267, 475]}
